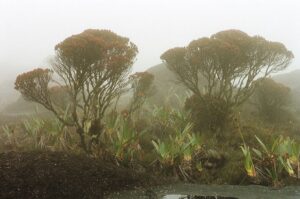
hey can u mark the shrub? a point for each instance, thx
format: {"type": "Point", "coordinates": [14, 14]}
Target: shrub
{"type": "Point", "coordinates": [208, 116]}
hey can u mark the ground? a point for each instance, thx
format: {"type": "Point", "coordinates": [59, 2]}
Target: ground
{"type": "Point", "coordinates": [44, 175]}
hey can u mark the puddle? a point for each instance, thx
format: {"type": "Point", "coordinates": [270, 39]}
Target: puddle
{"type": "Point", "coordinates": [192, 191]}
{"type": "Point", "coordinates": [196, 197]}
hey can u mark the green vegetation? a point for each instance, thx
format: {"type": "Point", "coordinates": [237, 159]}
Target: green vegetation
{"type": "Point", "coordinates": [271, 164]}
{"type": "Point", "coordinates": [38, 134]}
{"type": "Point", "coordinates": [121, 140]}
{"type": "Point", "coordinates": [93, 68]}
{"type": "Point", "coordinates": [205, 133]}
{"type": "Point", "coordinates": [271, 100]}
{"type": "Point", "coordinates": [229, 61]}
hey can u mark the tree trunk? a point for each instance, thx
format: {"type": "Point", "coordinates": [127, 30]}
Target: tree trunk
{"type": "Point", "coordinates": [83, 145]}
{"type": "Point", "coordinates": [94, 132]}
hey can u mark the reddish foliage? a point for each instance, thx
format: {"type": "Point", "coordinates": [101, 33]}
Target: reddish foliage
{"type": "Point", "coordinates": [228, 61]}
{"type": "Point", "coordinates": [33, 85]}
{"type": "Point", "coordinates": [93, 67]}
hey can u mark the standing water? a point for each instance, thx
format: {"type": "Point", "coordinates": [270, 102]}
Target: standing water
{"type": "Point", "coordinates": [191, 191]}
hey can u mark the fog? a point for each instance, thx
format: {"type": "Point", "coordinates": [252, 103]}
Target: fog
{"type": "Point", "coordinates": [29, 29]}
{"type": "Point", "coordinates": [213, 113]}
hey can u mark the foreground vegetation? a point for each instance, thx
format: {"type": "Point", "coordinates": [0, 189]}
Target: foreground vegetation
{"type": "Point", "coordinates": [210, 136]}
{"type": "Point", "coordinates": [166, 144]}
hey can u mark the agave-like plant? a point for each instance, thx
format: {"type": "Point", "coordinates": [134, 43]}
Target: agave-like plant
{"type": "Point", "coordinates": [48, 134]}
{"type": "Point", "coordinates": [177, 148]}
{"type": "Point", "coordinates": [164, 151]}
{"type": "Point", "coordinates": [36, 133]}
{"type": "Point", "coordinates": [248, 162]}
{"type": "Point", "coordinates": [59, 136]}
{"type": "Point", "coordinates": [62, 136]}
{"type": "Point", "coordinates": [9, 136]}
{"type": "Point", "coordinates": [270, 162]}
{"type": "Point", "coordinates": [289, 154]}
{"type": "Point", "coordinates": [122, 140]}
{"type": "Point", "coordinates": [170, 120]}
{"type": "Point", "coordinates": [34, 128]}
{"type": "Point", "coordinates": [161, 115]}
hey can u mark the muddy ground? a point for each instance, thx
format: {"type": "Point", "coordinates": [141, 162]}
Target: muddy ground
{"type": "Point", "coordinates": [55, 175]}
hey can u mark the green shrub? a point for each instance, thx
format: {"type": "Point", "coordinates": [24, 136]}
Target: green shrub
{"type": "Point", "coordinates": [121, 139]}
{"type": "Point", "coordinates": [213, 114]}
{"type": "Point", "coordinates": [271, 164]}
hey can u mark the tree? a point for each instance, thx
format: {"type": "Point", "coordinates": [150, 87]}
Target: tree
{"type": "Point", "coordinates": [270, 98]}
{"type": "Point", "coordinates": [60, 97]}
{"type": "Point", "coordinates": [229, 61]}
{"type": "Point", "coordinates": [93, 68]}
{"type": "Point", "coordinates": [142, 86]}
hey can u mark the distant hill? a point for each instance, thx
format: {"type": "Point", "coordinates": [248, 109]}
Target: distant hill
{"type": "Point", "coordinates": [167, 91]}
{"type": "Point", "coordinates": [165, 79]}
{"type": "Point", "coordinates": [7, 94]}
{"type": "Point", "coordinates": [12, 103]}
{"type": "Point", "coordinates": [292, 80]}
{"type": "Point", "coordinates": [166, 85]}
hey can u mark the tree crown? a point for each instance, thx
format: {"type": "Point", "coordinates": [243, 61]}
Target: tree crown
{"type": "Point", "coordinates": [229, 61]}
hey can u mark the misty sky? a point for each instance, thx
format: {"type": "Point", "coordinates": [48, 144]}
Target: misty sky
{"type": "Point", "coordinates": [29, 29]}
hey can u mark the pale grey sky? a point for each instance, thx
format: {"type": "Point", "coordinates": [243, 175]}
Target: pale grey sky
{"type": "Point", "coordinates": [29, 29]}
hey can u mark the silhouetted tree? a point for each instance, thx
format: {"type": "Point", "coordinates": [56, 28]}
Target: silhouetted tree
{"type": "Point", "coordinates": [142, 86]}
{"type": "Point", "coordinates": [229, 61]}
{"type": "Point", "coordinates": [94, 67]}
{"type": "Point", "coordinates": [270, 98]}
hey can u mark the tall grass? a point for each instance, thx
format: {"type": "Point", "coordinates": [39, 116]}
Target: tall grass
{"type": "Point", "coordinates": [38, 134]}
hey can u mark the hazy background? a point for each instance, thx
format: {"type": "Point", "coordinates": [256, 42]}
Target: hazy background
{"type": "Point", "coordinates": [29, 29]}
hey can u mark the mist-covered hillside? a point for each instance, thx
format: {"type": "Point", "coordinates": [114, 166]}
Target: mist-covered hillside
{"type": "Point", "coordinates": [8, 94]}
{"type": "Point", "coordinates": [166, 90]}
{"type": "Point", "coordinates": [165, 80]}
{"type": "Point", "coordinates": [292, 80]}
{"type": "Point", "coordinates": [166, 85]}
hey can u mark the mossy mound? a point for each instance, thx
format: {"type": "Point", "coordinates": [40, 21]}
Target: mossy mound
{"type": "Point", "coordinates": [60, 175]}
